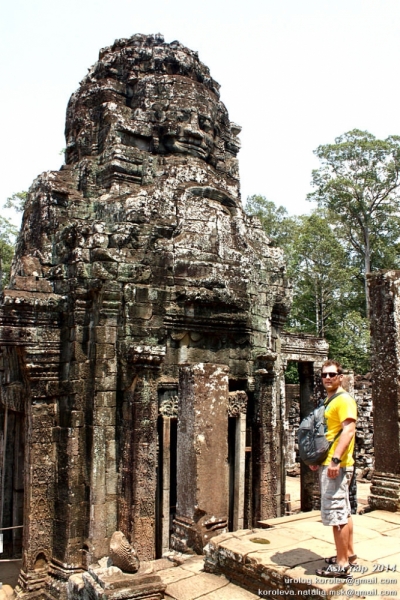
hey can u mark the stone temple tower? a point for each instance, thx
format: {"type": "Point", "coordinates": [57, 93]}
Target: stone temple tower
{"type": "Point", "coordinates": [141, 355]}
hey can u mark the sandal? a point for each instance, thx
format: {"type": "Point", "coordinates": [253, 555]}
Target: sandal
{"type": "Point", "coordinates": [339, 572]}
{"type": "Point", "coordinates": [332, 560]}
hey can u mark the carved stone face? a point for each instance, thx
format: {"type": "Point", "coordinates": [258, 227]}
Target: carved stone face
{"type": "Point", "coordinates": [150, 110]}
{"type": "Point", "coordinates": [182, 117]}
{"type": "Point", "coordinates": [189, 124]}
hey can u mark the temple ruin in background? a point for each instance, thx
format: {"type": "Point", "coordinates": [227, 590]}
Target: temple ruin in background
{"type": "Point", "coordinates": [142, 359]}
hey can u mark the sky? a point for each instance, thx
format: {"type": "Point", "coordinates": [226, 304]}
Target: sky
{"type": "Point", "coordinates": [294, 74]}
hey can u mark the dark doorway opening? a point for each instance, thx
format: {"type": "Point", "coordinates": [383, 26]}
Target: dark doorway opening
{"type": "Point", "coordinates": [12, 481]}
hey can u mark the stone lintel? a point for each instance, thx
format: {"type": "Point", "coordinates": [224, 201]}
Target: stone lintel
{"type": "Point", "coordinates": [302, 347]}
{"type": "Point", "coordinates": [147, 356]}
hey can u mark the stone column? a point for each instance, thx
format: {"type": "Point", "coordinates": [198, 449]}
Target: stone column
{"type": "Point", "coordinates": [384, 288]}
{"type": "Point", "coordinates": [168, 412]}
{"type": "Point", "coordinates": [268, 444]}
{"type": "Point", "coordinates": [238, 409]}
{"type": "Point", "coordinates": [166, 477]}
{"type": "Point", "coordinates": [307, 404]}
{"type": "Point", "coordinates": [202, 456]}
{"type": "Point", "coordinates": [137, 507]}
{"type": "Point", "coordinates": [240, 462]}
{"type": "Point", "coordinates": [103, 476]}
{"type": "Point", "coordinates": [41, 433]}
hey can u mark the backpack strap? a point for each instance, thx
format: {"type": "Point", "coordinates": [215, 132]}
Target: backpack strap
{"type": "Point", "coordinates": [326, 402]}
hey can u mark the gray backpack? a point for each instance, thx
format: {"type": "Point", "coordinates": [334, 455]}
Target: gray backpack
{"type": "Point", "coordinates": [313, 445]}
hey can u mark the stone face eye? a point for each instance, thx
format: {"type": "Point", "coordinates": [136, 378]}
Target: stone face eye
{"type": "Point", "coordinates": [205, 123]}
{"type": "Point", "coordinates": [183, 117]}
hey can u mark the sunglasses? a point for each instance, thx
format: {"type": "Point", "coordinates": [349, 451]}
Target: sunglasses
{"type": "Point", "coordinates": [331, 375]}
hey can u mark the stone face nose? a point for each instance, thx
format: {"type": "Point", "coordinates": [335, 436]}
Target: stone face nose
{"type": "Point", "coordinates": [191, 132]}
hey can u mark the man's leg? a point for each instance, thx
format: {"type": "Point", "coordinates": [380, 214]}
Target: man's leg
{"type": "Point", "coordinates": [341, 534]}
{"type": "Point", "coordinates": [350, 546]}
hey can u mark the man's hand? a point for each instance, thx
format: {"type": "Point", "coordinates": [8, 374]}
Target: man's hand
{"type": "Point", "coordinates": [333, 470]}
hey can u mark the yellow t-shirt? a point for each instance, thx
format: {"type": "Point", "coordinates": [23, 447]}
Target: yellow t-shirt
{"type": "Point", "coordinates": [338, 410]}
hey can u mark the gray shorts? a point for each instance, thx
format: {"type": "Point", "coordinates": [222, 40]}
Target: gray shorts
{"type": "Point", "coordinates": [335, 503]}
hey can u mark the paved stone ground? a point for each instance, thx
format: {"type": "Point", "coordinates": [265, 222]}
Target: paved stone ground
{"type": "Point", "coordinates": [297, 546]}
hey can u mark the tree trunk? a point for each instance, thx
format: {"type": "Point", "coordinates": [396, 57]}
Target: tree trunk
{"type": "Point", "coordinates": [367, 269]}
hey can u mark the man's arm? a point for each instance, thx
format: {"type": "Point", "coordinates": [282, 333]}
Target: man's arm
{"type": "Point", "coordinates": [348, 432]}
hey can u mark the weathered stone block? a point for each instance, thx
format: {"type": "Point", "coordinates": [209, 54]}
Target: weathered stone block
{"type": "Point", "coordinates": [106, 335]}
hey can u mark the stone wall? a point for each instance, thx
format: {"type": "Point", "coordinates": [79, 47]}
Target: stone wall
{"type": "Point", "coordinates": [365, 426]}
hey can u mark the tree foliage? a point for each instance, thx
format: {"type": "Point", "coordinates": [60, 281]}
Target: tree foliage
{"type": "Point", "coordinates": [8, 233]}
{"type": "Point", "coordinates": [358, 181]}
{"type": "Point", "coordinates": [321, 283]}
{"type": "Point", "coordinates": [16, 201]}
{"type": "Point", "coordinates": [328, 290]}
{"type": "Point", "coordinates": [278, 225]}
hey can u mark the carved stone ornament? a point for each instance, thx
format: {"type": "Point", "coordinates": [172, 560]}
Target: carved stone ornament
{"type": "Point", "coordinates": [237, 403]}
{"type": "Point", "coordinates": [123, 554]}
{"type": "Point", "coordinates": [169, 407]}
{"type": "Point", "coordinates": [148, 355]}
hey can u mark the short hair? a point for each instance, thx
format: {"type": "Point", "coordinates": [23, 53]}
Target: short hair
{"type": "Point", "coordinates": [333, 363]}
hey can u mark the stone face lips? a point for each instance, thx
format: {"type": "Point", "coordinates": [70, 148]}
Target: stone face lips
{"type": "Point", "coordinates": [135, 258]}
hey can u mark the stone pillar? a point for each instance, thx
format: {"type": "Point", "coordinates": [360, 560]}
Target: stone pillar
{"type": "Point", "coordinates": [103, 475]}
{"type": "Point", "coordinates": [240, 462]}
{"type": "Point", "coordinates": [39, 497]}
{"type": "Point", "coordinates": [166, 479]}
{"type": "Point", "coordinates": [168, 409]}
{"type": "Point", "coordinates": [137, 506]}
{"type": "Point", "coordinates": [307, 404]}
{"type": "Point", "coordinates": [238, 410]}
{"type": "Point", "coordinates": [268, 443]}
{"type": "Point", "coordinates": [384, 288]}
{"type": "Point", "coordinates": [202, 456]}
{"type": "Point", "coordinates": [40, 452]}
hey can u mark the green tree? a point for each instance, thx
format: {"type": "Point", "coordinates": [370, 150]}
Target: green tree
{"type": "Point", "coordinates": [277, 224]}
{"type": "Point", "coordinates": [358, 182]}
{"type": "Point", "coordinates": [326, 277]}
{"type": "Point", "coordinates": [16, 201]}
{"type": "Point", "coordinates": [8, 233]}
{"type": "Point", "coordinates": [323, 283]}
{"type": "Point", "coordinates": [350, 341]}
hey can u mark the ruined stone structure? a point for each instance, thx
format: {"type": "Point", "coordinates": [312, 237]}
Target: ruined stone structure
{"type": "Point", "coordinates": [384, 288]}
{"type": "Point", "coordinates": [142, 373]}
{"type": "Point", "coordinates": [365, 452]}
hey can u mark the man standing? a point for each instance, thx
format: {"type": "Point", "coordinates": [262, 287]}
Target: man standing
{"type": "Point", "coordinates": [336, 471]}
